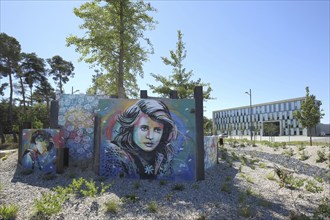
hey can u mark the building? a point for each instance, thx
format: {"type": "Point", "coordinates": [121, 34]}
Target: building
{"type": "Point", "coordinates": [268, 119]}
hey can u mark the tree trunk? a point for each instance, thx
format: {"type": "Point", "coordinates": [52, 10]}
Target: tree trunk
{"type": "Point", "coordinates": [2, 136]}
{"type": "Point", "coordinates": [120, 85]}
{"type": "Point", "coordinates": [23, 95]}
{"type": "Point", "coordinates": [310, 136]}
{"type": "Point", "coordinates": [10, 109]}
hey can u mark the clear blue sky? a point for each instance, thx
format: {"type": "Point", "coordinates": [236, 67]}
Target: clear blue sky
{"type": "Point", "coordinates": [276, 48]}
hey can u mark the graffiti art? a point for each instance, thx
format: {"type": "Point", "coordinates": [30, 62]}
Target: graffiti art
{"type": "Point", "coordinates": [147, 138]}
{"type": "Point", "coordinates": [39, 149]}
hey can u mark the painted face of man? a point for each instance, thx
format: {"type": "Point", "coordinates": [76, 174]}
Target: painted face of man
{"type": "Point", "coordinates": [147, 133]}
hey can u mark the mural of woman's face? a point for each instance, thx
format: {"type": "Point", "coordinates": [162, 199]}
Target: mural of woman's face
{"type": "Point", "coordinates": [41, 144]}
{"type": "Point", "coordinates": [147, 133]}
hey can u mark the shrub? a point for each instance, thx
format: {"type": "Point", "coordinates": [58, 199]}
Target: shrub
{"type": "Point", "coordinates": [48, 205]}
{"type": "Point", "coordinates": [112, 206]}
{"type": "Point", "coordinates": [303, 156]}
{"type": "Point", "coordinates": [321, 157]}
{"type": "Point", "coordinates": [152, 206]}
{"type": "Point", "coordinates": [178, 187]}
{"type": "Point", "coordinates": [90, 189]}
{"type": "Point", "coordinates": [312, 187]}
{"type": "Point", "coordinates": [8, 211]}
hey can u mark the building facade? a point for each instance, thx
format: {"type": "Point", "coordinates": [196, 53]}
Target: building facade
{"type": "Point", "coordinates": [267, 119]}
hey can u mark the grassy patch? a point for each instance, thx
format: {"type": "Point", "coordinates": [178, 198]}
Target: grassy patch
{"type": "Point", "coordinates": [312, 187]}
{"type": "Point", "coordinates": [8, 211]}
{"type": "Point", "coordinates": [226, 187]}
{"type": "Point", "coordinates": [321, 156]}
{"type": "Point", "coordinates": [112, 206]}
{"type": "Point", "coordinates": [152, 206]}
{"type": "Point", "coordinates": [271, 176]}
{"type": "Point", "coordinates": [178, 187]}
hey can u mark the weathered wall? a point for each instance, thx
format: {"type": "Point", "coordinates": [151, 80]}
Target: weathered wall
{"type": "Point", "coordinates": [39, 148]}
{"type": "Point", "coordinates": [173, 158]}
{"type": "Point", "coordinates": [211, 152]}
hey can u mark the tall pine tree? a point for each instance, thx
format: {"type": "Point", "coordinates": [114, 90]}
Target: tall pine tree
{"type": "Point", "coordinates": [180, 80]}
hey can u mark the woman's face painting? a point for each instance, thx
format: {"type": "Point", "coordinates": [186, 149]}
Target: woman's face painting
{"type": "Point", "coordinates": [41, 144]}
{"type": "Point", "coordinates": [147, 133]}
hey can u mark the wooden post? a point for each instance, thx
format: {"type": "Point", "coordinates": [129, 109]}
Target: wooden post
{"type": "Point", "coordinates": [173, 94]}
{"type": "Point", "coordinates": [54, 107]}
{"type": "Point", "coordinates": [25, 125]}
{"type": "Point", "coordinates": [198, 95]}
{"type": "Point", "coordinates": [59, 160]}
{"type": "Point", "coordinates": [97, 143]}
{"type": "Point", "coordinates": [143, 94]}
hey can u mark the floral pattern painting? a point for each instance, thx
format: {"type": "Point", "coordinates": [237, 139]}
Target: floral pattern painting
{"type": "Point", "coordinates": [76, 121]}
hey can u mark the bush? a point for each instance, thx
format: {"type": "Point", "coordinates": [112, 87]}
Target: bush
{"type": "Point", "coordinates": [8, 211]}
{"type": "Point", "coordinates": [48, 205]}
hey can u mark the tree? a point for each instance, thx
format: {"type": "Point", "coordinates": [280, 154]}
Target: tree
{"type": "Point", "coordinates": [44, 93]}
{"type": "Point", "coordinates": [180, 79]}
{"type": "Point", "coordinates": [61, 70]}
{"type": "Point", "coordinates": [208, 125]}
{"type": "Point", "coordinates": [112, 42]}
{"type": "Point", "coordinates": [10, 50]}
{"type": "Point", "coordinates": [33, 70]}
{"type": "Point", "coordinates": [310, 113]}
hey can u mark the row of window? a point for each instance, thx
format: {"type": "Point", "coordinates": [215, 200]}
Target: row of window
{"type": "Point", "coordinates": [270, 108]}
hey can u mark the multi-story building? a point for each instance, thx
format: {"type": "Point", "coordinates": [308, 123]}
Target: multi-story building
{"type": "Point", "coordinates": [272, 118]}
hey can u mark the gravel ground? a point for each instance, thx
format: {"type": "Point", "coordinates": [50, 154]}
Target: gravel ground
{"type": "Point", "coordinates": [231, 190]}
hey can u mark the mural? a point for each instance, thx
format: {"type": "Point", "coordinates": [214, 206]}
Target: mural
{"type": "Point", "coordinates": [76, 120]}
{"type": "Point", "coordinates": [148, 139]}
{"type": "Point", "coordinates": [39, 148]}
{"type": "Point", "coordinates": [211, 153]}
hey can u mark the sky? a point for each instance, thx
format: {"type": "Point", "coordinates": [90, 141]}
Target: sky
{"type": "Point", "coordinates": [274, 48]}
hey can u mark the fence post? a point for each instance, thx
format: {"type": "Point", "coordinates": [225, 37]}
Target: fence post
{"type": "Point", "coordinates": [25, 125]}
{"type": "Point", "coordinates": [198, 95]}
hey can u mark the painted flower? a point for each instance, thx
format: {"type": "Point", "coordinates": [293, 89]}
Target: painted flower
{"type": "Point", "coordinates": [148, 169]}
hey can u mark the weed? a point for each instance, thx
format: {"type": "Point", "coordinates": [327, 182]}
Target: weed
{"type": "Point", "coordinates": [169, 196]}
{"type": "Point", "coordinates": [294, 182]}
{"type": "Point", "coordinates": [312, 187]}
{"type": "Point", "coordinates": [320, 157]}
{"type": "Point", "coordinates": [4, 157]}
{"type": "Point", "coordinates": [195, 186]}
{"type": "Point", "coordinates": [323, 210]}
{"type": "Point", "coordinates": [136, 185]}
{"type": "Point", "coordinates": [301, 147]}
{"type": "Point", "coordinates": [250, 179]}
{"type": "Point", "coordinates": [228, 178]}
{"type": "Point", "coordinates": [262, 165]}
{"type": "Point", "coordinates": [226, 187]}
{"type": "Point", "coordinates": [152, 206]}
{"type": "Point", "coordinates": [246, 211]}
{"type": "Point", "coordinates": [235, 157]}
{"type": "Point", "coordinates": [178, 187]}
{"type": "Point", "coordinates": [48, 205]}
{"type": "Point", "coordinates": [104, 187]}
{"type": "Point", "coordinates": [241, 197]}
{"type": "Point", "coordinates": [303, 156]}
{"type": "Point", "coordinates": [250, 192]}
{"type": "Point", "coordinates": [91, 190]}
{"type": "Point", "coordinates": [240, 168]}
{"type": "Point", "coordinates": [112, 206]}
{"type": "Point", "coordinates": [8, 211]}
{"type": "Point", "coordinates": [132, 197]}
{"type": "Point", "coordinates": [289, 152]}
{"type": "Point", "coordinates": [319, 179]}
{"type": "Point", "coordinates": [271, 176]}
{"type": "Point", "coordinates": [162, 182]}
{"type": "Point", "coordinates": [201, 217]}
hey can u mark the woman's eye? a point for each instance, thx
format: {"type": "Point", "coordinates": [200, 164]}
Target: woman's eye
{"type": "Point", "coordinates": [158, 130]}
{"type": "Point", "coordinates": [144, 128]}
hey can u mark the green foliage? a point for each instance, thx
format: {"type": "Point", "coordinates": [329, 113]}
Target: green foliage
{"type": "Point", "coordinates": [178, 187]}
{"type": "Point", "coordinates": [114, 41]}
{"type": "Point", "coordinates": [4, 157]}
{"type": "Point", "coordinates": [8, 211]}
{"type": "Point", "coordinates": [226, 187]}
{"type": "Point", "coordinates": [289, 152]}
{"type": "Point", "coordinates": [169, 196]}
{"type": "Point", "coordinates": [246, 211]}
{"type": "Point", "coordinates": [104, 187]}
{"type": "Point", "coordinates": [294, 182]}
{"type": "Point", "coordinates": [180, 79]}
{"type": "Point", "coordinates": [271, 176]}
{"type": "Point", "coordinates": [48, 205]}
{"type": "Point", "coordinates": [310, 113]}
{"type": "Point", "coordinates": [262, 165]}
{"type": "Point", "coordinates": [91, 189]}
{"type": "Point", "coordinates": [132, 197]}
{"type": "Point", "coordinates": [152, 206]}
{"type": "Point", "coordinates": [112, 206]}
{"type": "Point", "coordinates": [312, 187]}
{"type": "Point", "coordinates": [301, 147]}
{"type": "Point", "coordinates": [323, 210]}
{"type": "Point", "coordinates": [321, 157]}
{"type": "Point", "coordinates": [303, 156]}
